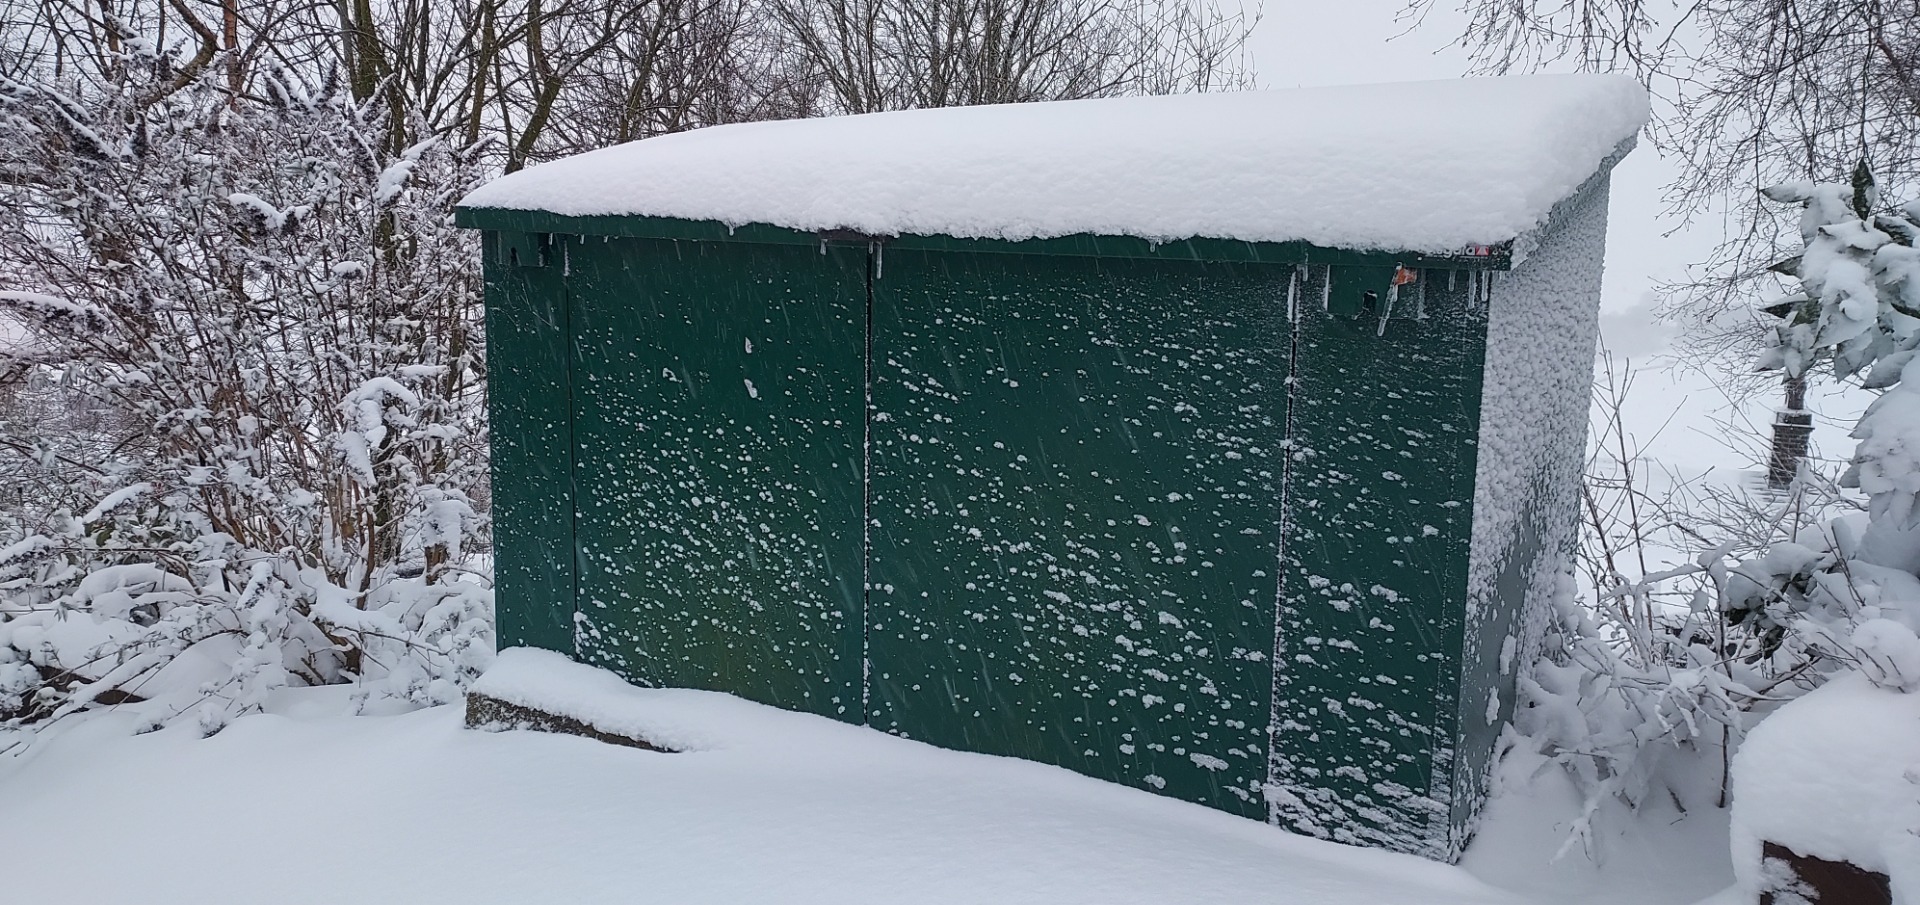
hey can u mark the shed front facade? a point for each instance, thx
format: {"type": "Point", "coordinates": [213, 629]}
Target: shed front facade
{"type": "Point", "coordinates": [1240, 518]}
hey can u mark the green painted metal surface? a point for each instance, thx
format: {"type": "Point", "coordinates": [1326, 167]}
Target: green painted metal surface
{"type": "Point", "coordinates": [527, 333]}
{"type": "Point", "coordinates": [718, 400]}
{"type": "Point", "coordinates": [1378, 527]}
{"type": "Point", "coordinates": [1075, 498]}
{"type": "Point", "coordinates": [1196, 525]}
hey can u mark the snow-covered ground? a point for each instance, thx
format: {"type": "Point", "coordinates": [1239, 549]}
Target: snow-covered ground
{"type": "Point", "coordinates": [1861, 802]}
{"type": "Point", "coordinates": [309, 804]}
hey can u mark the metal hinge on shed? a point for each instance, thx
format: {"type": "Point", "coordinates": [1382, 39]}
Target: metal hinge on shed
{"type": "Point", "coordinates": [1377, 293]}
{"type": "Point", "coordinates": [1353, 291]}
{"type": "Point", "coordinates": [876, 246]}
{"type": "Point", "coordinates": [525, 249]}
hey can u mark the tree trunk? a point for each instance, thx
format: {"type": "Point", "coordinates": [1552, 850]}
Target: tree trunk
{"type": "Point", "coordinates": [1792, 427]}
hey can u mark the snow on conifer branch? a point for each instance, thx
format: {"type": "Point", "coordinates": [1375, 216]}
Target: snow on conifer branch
{"type": "Point", "coordinates": [1859, 310]}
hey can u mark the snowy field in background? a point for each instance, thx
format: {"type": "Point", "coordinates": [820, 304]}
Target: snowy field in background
{"type": "Point", "coordinates": [309, 804]}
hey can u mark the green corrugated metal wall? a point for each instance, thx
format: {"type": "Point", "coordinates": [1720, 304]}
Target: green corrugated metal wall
{"type": "Point", "coordinates": [1040, 498]}
{"type": "Point", "coordinates": [529, 406]}
{"type": "Point", "coordinates": [718, 448]}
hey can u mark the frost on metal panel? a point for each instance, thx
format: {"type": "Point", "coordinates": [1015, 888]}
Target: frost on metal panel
{"type": "Point", "coordinates": [1378, 516]}
{"type": "Point", "coordinates": [1541, 329]}
{"type": "Point", "coordinates": [1074, 512]}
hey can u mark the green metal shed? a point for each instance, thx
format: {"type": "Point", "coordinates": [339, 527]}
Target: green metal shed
{"type": "Point", "coordinates": [1222, 446]}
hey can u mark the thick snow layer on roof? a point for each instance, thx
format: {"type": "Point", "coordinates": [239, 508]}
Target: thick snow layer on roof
{"type": "Point", "coordinates": [1419, 166]}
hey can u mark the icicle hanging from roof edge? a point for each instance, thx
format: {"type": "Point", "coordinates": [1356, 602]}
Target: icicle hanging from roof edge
{"type": "Point", "coordinates": [1401, 277]}
{"type": "Point", "coordinates": [1523, 246]}
{"type": "Point", "coordinates": [1293, 292]}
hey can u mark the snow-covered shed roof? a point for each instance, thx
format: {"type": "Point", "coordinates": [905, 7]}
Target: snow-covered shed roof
{"type": "Point", "coordinates": [1418, 166]}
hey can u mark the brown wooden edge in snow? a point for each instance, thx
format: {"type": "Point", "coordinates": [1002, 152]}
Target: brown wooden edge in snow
{"type": "Point", "coordinates": [1797, 879]}
{"type": "Point", "coordinates": [493, 714]}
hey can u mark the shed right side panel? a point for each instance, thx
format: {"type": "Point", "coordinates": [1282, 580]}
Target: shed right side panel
{"type": "Point", "coordinates": [1379, 491]}
{"type": "Point", "coordinates": [1542, 328]}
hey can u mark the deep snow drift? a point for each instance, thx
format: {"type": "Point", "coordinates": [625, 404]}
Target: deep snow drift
{"type": "Point", "coordinates": [1420, 166]}
{"type": "Point", "coordinates": [306, 804]}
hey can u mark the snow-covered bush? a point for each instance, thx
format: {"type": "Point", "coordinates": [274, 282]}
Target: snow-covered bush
{"type": "Point", "coordinates": [1853, 600]}
{"type": "Point", "coordinates": [1667, 670]}
{"type": "Point", "coordinates": [1638, 699]}
{"type": "Point", "coordinates": [269, 297]}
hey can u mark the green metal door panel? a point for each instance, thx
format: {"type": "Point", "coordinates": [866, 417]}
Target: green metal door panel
{"type": "Point", "coordinates": [718, 430]}
{"type": "Point", "coordinates": [1378, 529]}
{"type": "Point", "coordinates": [532, 448]}
{"type": "Point", "coordinates": [1075, 509]}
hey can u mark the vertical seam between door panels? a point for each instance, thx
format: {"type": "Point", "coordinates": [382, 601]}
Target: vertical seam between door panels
{"type": "Point", "coordinates": [1295, 278]}
{"type": "Point", "coordinates": [574, 554]}
{"type": "Point", "coordinates": [866, 502]}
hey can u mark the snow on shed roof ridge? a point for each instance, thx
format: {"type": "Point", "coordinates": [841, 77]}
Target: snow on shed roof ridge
{"type": "Point", "coordinates": [1418, 166]}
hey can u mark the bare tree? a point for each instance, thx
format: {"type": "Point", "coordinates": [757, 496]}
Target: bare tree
{"type": "Point", "coordinates": [685, 64]}
{"type": "Point", "coordinates": [871, 55]}
{"type": "Point", "coordinates": [1755, 94]}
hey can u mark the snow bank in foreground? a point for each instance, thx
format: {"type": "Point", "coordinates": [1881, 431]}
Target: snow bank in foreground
{"type": "Point", "coordinates": [304, 805]}
{"type": "Point", "coordinates": [1834, 775]}
{"type": "Point", "coordinates": [1421, 166]}
{"type": "Point", "coordinates": [676, 719]}
{"type": "Point", "coordinates": [1668, 851]}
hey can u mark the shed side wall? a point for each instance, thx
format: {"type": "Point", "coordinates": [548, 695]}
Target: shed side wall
{"type": "Point", "coordinates": [1075, 511]}
{"type": "Point", "coordinates": [1542, 327]}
